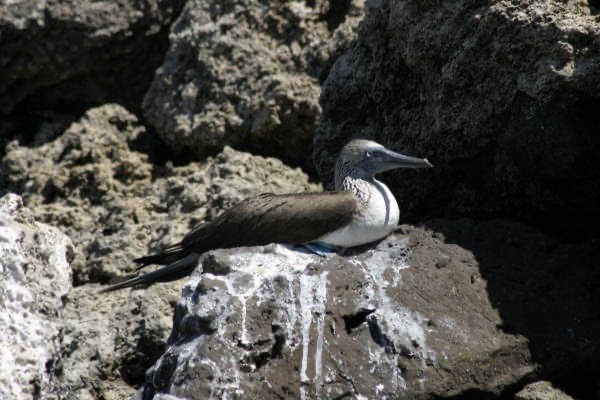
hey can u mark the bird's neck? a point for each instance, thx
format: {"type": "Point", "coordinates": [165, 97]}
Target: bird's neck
{"type": "Point", "coordinates": [353, 181]}
{"type": "Point", "coordinates": [359, 187]}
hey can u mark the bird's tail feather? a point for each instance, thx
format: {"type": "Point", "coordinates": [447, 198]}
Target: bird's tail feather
{"type": "Point", "coordinates": [169, 256]}
{"type": "Point", "coordinates": [171, 272]}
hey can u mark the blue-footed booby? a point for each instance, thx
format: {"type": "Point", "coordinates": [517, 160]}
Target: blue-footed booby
{"type": "Point", "coordinates": [360, 210]}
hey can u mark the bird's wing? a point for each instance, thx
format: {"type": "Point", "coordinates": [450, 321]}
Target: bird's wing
{"type": "Point", "coordinates": [267, 218]}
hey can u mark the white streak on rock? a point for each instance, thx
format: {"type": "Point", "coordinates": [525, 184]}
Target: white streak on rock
{"type": "Point", "coordinates": [250, 272]}
{"type": "Point", "coordinates": [222, 305]}
{"type": "Point", "coordinates": [313, 297]}
{"type": "Point", "coordinates": [224, 372]}
{"type": "Point", "coordinates": [244, 335]}
{"type": "Point", "coordinates": [403, 328]}
{"type": "Point", "coordinates": [321, 297]}
{"type": "Point", "coordinates": [292, 315]}
{"type": "Point", "coordinates": [306, 299]}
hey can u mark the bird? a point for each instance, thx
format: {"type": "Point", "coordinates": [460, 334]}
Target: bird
{"type": "Point", "coordinates": [360, 210]}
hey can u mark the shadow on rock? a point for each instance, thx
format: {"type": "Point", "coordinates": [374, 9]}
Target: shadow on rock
{"type": "Point", "coordinates": [544, 289]}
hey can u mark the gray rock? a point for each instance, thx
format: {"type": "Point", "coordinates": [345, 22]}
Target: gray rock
{"type": "Point", "coordinates": [247, 74]}
{"type": "Point", "coordinates": [542, 390]}
{"type": "Point", "coordinates": [108, 342]}
{"type": "Point", "coordinates": [35, 277]}
{"type": "Point", "coordinates": [74, 54]}
{"type": "Point", "coordinates": [385, 322]}
{"type": "Point", "coordinates": [92, 183]}
{"type": "Point", "coordinates": [502, 98]}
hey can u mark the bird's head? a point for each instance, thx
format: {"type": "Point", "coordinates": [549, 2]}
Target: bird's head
{"type": "Point", "coordinates": [365, 158]}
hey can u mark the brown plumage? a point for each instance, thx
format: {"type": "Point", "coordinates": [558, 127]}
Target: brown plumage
{"type": "Point", "coordinates": [290, 218]}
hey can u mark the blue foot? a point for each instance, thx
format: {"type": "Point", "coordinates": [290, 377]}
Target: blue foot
{"type": "Point", "coordinates": [321, 249]}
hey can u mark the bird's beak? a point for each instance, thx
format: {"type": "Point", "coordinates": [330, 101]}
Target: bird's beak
{"type": "Point", "coordinates": [392, 160]}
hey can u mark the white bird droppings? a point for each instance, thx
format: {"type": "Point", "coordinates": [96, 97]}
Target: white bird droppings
{"type": "Point", "coordinates": [278, 291]}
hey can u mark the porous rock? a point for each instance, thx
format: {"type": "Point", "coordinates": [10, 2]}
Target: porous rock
{"type": "Point", "coordinates": [35, 277]}
{"type": "Point", "coordinates": [501, 97]}
{"type": "Point", "coordinates": [247, 74]}
{"type": "Point", "coordinates": [95, 184]}
{"type": "Point", "coordinates": [69, 55]}
{"type": "Point", "coordinates": [108, 341]}
{"type": "Point", "coordinates": [542, 390]}
{"type": "Point", "coordinates": [382, 322]}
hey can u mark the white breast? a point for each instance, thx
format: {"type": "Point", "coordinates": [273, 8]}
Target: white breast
{"type": "Point", "coordinates": [376, 220]}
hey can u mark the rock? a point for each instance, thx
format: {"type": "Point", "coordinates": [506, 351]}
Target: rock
{"type": "Point", "coordinates": [383, 322]}
{"type": "Point", "coordinates": [35, 279]}
{"type": "Point", "coordinates": [236, 175]}
{"type": "Point", "coordinates": [545, 289]}
{"type": "Point", "coordinates": [542, 390]}
{"type": "Point", "coordinates": [90, 184]}
{"type": "Point", "coordinates": [501, 97]}
{"type": "Point", "coordinates": [109, 341]}
{"type": "Point", "coordinates": [67, 56]}
{"type": "Point", "coordinates": [93, 183]}
{"type": "Point", "coordinates": [247, 74]}
{"type": "Point", "coordinates": [426, 318]}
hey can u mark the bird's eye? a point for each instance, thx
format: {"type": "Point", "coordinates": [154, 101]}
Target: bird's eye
{"type": "Point", "coordinates": [368, 154]}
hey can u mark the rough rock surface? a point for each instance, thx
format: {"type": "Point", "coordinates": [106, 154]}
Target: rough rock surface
{"type": "Point", "coordinates": [34, 280]}
{"type": "Point", "coordinates": [69, 55]}
{"type": "Point", "coordinates": [409, 318]}
{"type": "Point", "coordinates": [93, 183]}
{"type": "Point", "coordinates": [545, 289]}
{"type": "Point", "coordinates": [502, 97]}
{"type": "Point", "coordinates": [542, 390]}
{"type": "Point", "coordinates": [247, 74]}
{"type": "Point", "coordinates": [108, 342]}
